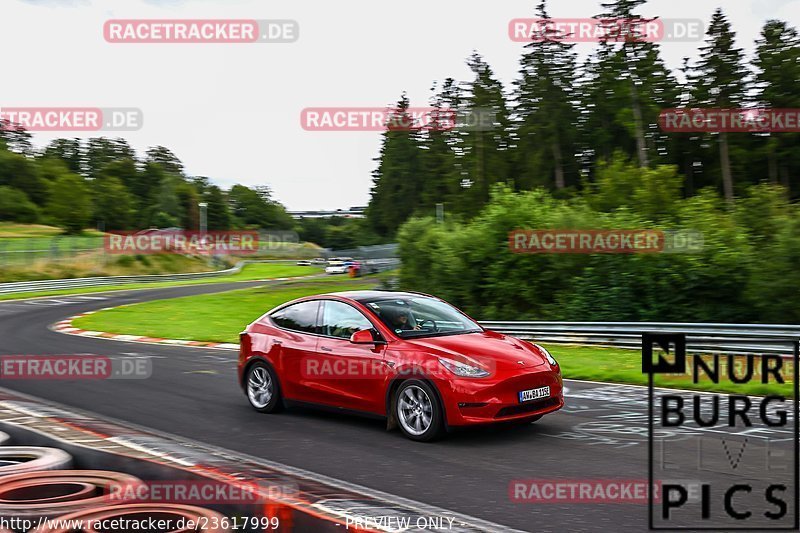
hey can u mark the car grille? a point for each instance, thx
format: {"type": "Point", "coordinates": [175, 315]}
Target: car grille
{"type": "Point", "coordinates": [528, 407]}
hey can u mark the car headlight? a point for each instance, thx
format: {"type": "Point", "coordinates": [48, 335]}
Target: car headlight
{"type": "Point", "coordinates": [550, 358]}
{"type": "Point", "coordinates": [463, 370]}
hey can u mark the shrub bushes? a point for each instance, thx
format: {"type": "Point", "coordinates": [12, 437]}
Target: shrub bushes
{"type": "Point", "coordinates": [746, 272]}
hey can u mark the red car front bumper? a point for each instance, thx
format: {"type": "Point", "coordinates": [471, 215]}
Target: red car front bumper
{"type": "Point", "coordinates": [469, 401]}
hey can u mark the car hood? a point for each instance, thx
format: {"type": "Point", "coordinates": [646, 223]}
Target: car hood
{"type": "Point", "coordinates": [489, 349]}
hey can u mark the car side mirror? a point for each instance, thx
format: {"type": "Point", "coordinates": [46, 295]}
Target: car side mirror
{"type": "Point", "coordinates": [363, 336]}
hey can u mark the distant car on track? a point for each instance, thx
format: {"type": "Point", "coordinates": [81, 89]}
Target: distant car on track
{"type": "Point", "coordinates": [304, 262]}
{"type": "Point", "coordinates": [408, 357]}
{"type": "Point", "coordinates": [336, 267]}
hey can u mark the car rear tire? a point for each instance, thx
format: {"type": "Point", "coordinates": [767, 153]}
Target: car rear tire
{"type": "Point", "coordinates": [262, 388]}
{"type": "Point", "coordinates": [418, 411]}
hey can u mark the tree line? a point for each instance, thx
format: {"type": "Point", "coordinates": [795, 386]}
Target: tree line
{"type": "Point", "coordinates": [562, 120]}
{"type": "Point", "coordinates": [102, 183]}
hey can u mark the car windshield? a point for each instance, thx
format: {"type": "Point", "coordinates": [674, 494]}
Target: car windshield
{"type": "Point", "coordinates": [420, 316]}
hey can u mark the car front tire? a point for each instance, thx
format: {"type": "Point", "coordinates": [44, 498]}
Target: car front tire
{"type": "Point", "coordinates": [262, 388]}
{"type": "Point", "coordinates": [418, 411]}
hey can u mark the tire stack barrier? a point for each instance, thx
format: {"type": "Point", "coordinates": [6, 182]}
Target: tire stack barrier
{"type": "Point", "coordinates": [35, 484]}
{"type": "Point", "coordinates": [56, 492]}
{"type": "Point", "coordinates": [21, 459]}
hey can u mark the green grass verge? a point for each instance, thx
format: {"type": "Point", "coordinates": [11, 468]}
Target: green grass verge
{"type": "Point", "coordinates": [625, 366]}
{"type": "Point", "coordinates": [250, 272]}
{"type": "Point", "coordinates": [209, 317]}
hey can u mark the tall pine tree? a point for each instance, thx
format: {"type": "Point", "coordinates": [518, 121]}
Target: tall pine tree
{"type": "Point", "coordinates": [438, 144]}
{"type": "Point", "coordinates": [719, 81]}
{"type": "Point", "coordinates": [777, 65]}
{"type": "Point", "coordinates": [396, 189]}
{"type": "Point", "coordinates": [626, 85]}
{"type": "Point", "coordinates": [484, 155]}
{"type": "Point", "coordinates": [546, 114]}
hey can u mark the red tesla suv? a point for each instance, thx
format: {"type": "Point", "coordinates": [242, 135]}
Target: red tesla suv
{"type": "Point", "coordinates": [411, 358]}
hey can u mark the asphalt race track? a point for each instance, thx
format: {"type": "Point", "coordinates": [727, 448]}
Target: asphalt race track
{"type": "Point", "coordinates": [601, 433]}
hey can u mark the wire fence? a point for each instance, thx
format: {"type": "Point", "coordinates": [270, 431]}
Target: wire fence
{"type": "Point", "coordinates": [19, 252]}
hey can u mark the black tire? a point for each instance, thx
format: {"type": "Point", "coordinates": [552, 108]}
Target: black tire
{"type": "Point", "coordinates": [413, 399]}
{"type": "Point", "coordinates": [256, 394]}
{"type": "Point", "coordinates": [22, 459]}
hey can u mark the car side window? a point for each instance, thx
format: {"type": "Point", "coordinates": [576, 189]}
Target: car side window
{"type": "Point", "coordinates": [342, 320]}
{"type": "Point", "coordinates": [298, 317]}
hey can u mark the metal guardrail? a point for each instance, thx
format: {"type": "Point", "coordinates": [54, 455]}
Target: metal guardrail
{"type": "Point", "coordinates": [57, 284]}
{"type": "Point", "coordinates": [700, 338]}
{"type": "Point", "coordinates": [371, 266]}
{"type": "Point", "coordinates": [377, 251]}
{"type": "Point", "coordinates": [373, 259]}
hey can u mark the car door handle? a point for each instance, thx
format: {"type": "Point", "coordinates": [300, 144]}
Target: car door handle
{"type": "Point", "coordinates": [326, 349]}
{"type": "Point", "coordinates": [277, 342]}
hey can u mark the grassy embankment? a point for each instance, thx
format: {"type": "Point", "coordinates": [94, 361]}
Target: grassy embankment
{"type": "Point", "coordinates": [30, 252]}
{"type": "Point", "coordinates": [252, 272]}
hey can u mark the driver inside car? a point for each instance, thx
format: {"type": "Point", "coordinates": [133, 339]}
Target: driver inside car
{"type": "Point", "coordinates": [403, 321]}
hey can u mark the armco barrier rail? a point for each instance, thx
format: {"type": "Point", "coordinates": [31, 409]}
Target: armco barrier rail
{"type": "Point", "coordinates": [370, 266]}
{"type": "Point", "coordinates": [57, 284]}
{"type": "Point", "coordinates": [704, 337]}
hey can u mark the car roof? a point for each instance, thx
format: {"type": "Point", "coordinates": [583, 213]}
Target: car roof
{"type": "Point", "coordinates": [365, 296]}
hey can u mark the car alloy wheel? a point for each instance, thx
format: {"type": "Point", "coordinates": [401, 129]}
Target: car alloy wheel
{"type": "Point", "coordinates": [262, 388]}
{"type": "Point", "coordinates": [418, 411]}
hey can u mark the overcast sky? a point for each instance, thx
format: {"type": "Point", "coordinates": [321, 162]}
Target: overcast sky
{"type": "Point", "coordinates": [232, 111]}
